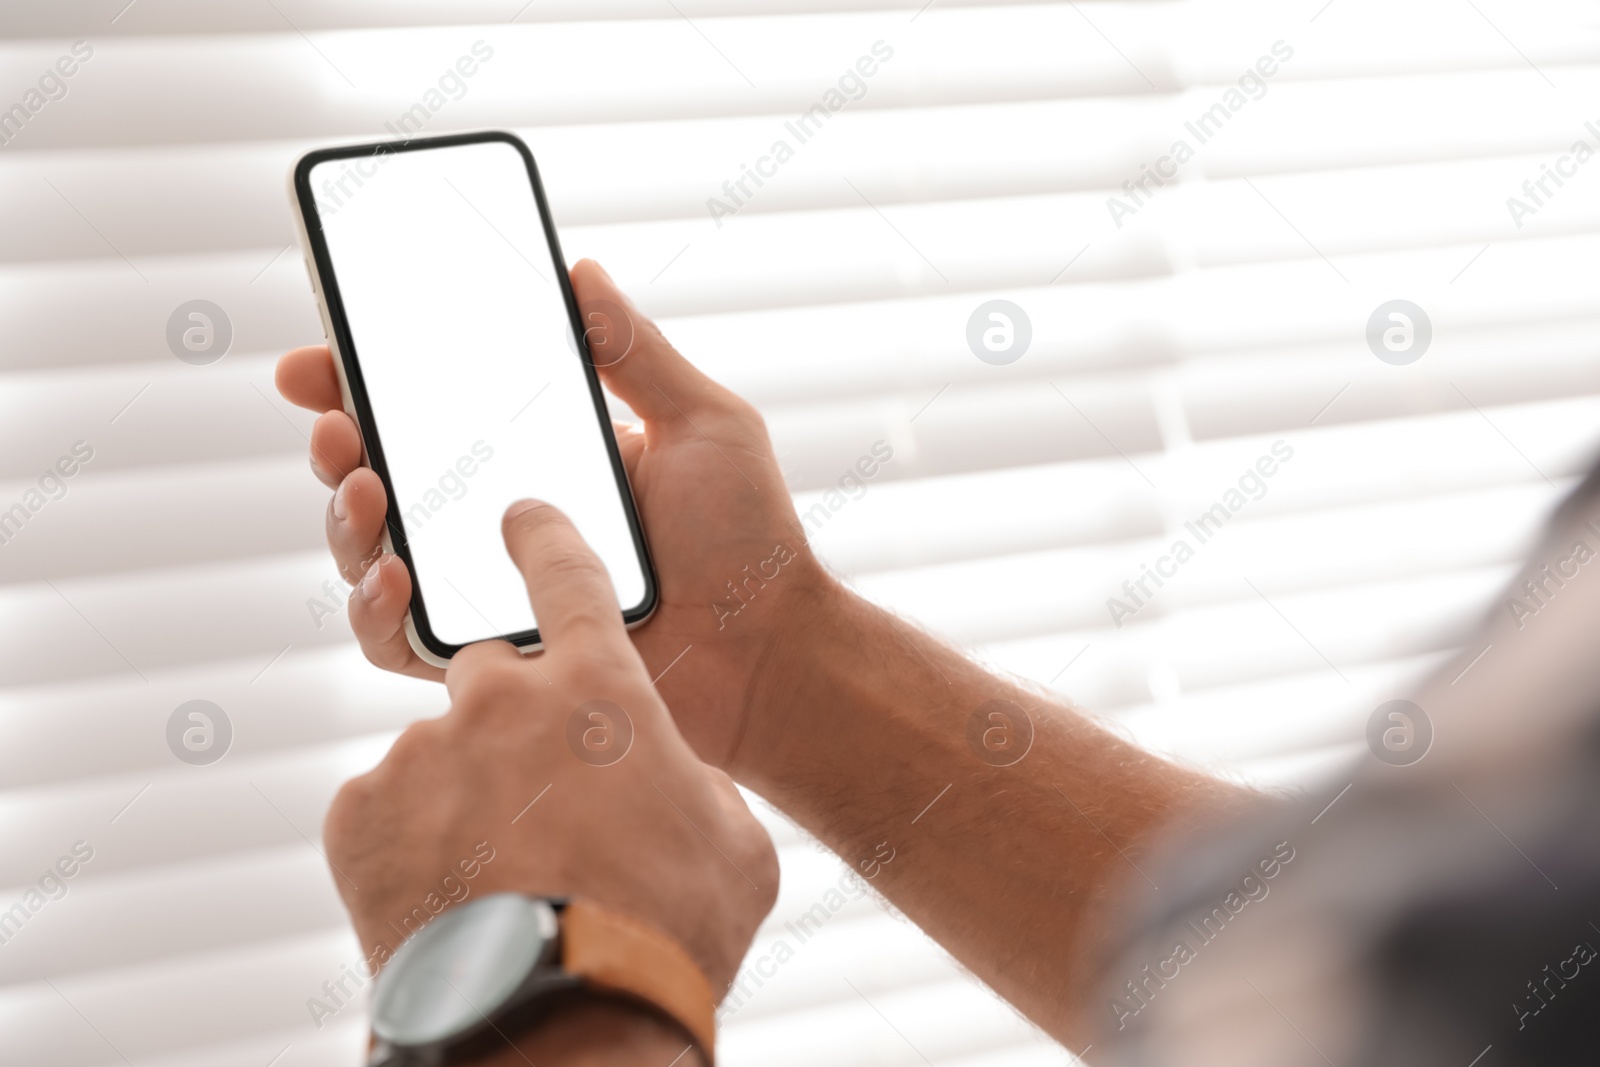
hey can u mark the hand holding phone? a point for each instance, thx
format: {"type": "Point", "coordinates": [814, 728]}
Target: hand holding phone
{"type": "Point", "coordinates": [709, 491]}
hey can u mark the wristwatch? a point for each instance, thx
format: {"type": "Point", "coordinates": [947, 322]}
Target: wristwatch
{"type": "Point", "coordinates": [481, 972]}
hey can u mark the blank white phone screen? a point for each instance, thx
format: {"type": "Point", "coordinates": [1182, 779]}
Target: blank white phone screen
{"type": "Point", "coordinates": [476, 387]}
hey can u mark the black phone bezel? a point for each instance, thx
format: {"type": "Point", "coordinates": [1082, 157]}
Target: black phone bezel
{"type": "Point", "coordinates": [327, 279]}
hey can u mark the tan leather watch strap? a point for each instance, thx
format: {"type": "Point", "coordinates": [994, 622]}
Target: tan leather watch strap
{"type": "Point", "coordinates": [616, 954]}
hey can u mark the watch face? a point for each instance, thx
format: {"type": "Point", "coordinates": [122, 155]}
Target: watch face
{"type": "Point", "coordinates": [460, 968]}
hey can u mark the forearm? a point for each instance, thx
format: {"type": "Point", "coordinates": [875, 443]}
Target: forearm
{"type": "Point", "coordinates": [598, 1033]}
{"type": "Point", "coordinates": [864, 736]}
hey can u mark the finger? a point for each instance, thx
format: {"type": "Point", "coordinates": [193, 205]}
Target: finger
{"type": "Point", "coordinates": [305, 377]}
{"type": "Point", "coordinates": [568, 586]}
{"type": "Point", "coordinates": [630, 442]}
{"type": "Point", "coordinates": [355, 523]}
{"type": "Point", "coordinates": [728, 796]}
{"type": "Point", "coordinates": [378, 606]}
{"type": "Point", "coordinates": [474, 661]}
{"type": "Point", "coordinates": [635, 361]}
{"type": "Point", "coordinates": [335, 447]}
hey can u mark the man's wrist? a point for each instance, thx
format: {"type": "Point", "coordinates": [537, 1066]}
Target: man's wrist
{"type": "Point", "coordinates": [595, 1031]}
{"type": "Point", "coordinates": [822, 616]}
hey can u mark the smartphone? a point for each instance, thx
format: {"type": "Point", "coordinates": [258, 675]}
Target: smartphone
{"type": "Point", "coordinates": [462, 358]}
